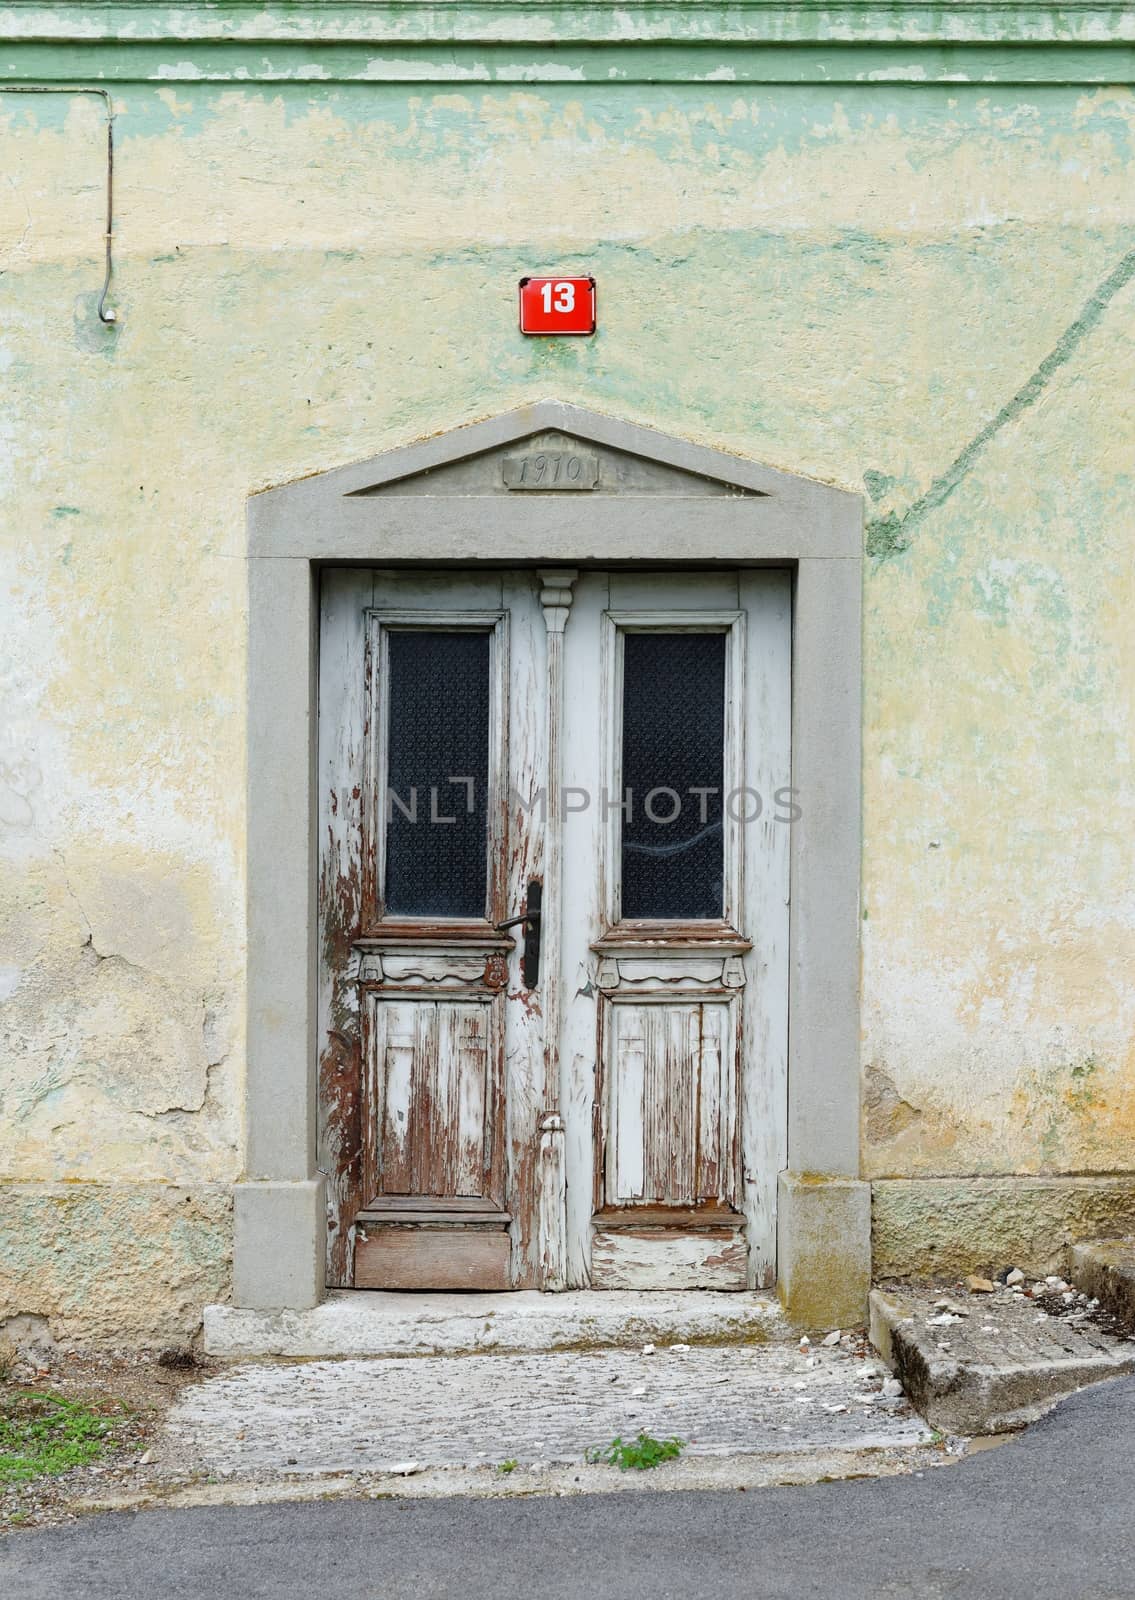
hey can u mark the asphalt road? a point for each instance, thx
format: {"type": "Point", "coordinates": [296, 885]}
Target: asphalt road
{"type": "Point", "coordinates": [1049, 1515]}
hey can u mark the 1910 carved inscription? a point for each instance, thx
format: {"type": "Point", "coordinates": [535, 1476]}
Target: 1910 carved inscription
{"type": "Point", "coordinates": [550, 469]}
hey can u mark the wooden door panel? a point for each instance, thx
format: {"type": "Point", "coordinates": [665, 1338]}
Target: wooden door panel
{"type": "Point", "coordinates": [671, 1086]}
{"type": "Point", "coordinates": [626, 1176]}
{"type": "Point", "coordinates": [714, 1175]}
{"type": "Point", "coordinates": [398, 1045]}
{"type": "Point", "coordinates": [431, 1065]}
{"type": "Point", "coordinates": [460, 1147]}
{"type": "Point", "coordinates": [668, 1258]}
{"type": "Point", "coordinates": [431, 1257]}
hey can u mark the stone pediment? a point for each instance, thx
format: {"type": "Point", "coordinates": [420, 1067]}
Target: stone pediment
{"type": "Point", "coordinates": [550, 448]}
{"type": "Point", "coordinates": [555, 482]}
{"type": "Point", "coordinates": [554, 461]}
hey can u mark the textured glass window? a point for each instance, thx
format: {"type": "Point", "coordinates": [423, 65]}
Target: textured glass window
{"type": "Point", "coordinates": [437, 706]}
{"type": "Point", "coordinates": [673, 747]}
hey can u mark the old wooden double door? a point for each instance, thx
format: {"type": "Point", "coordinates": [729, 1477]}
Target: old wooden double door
{"type": "Point", "coordinates": [554, 820]}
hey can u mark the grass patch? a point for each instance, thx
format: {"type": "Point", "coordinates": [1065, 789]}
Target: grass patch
{"type": "Point", "coordinates": [636, 1455]}
{"type": "Point", "coordinates": [42, 1435]}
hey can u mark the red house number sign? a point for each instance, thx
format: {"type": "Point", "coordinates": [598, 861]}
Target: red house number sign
{"type": "Point", "coordinates": [557, 305]}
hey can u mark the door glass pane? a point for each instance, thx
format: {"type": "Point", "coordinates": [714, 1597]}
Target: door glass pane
{"type": "Point", "coordinates": [437, 706]}
{"type": "Point", "coordinates": [673, 746]}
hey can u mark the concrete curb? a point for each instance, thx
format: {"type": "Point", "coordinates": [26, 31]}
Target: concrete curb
{"type": "Point", "coordinates": [988, 1382]}
{"type": "Point", "coordinates": [757, 1470]}
{"type": "Point", "coordinates": [1105, 1268]}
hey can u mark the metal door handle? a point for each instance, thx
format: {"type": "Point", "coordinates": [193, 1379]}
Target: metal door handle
{"type": "Point", "coordinates": [529, 920]}
{"type": "Point", "coordinates": [514, 922]}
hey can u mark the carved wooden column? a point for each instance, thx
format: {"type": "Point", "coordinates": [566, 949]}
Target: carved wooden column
{"type": "Point", "coordinates": [555, 597]}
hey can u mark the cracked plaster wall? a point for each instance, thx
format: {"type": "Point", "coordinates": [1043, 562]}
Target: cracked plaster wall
{"type": "Point", "coordinates": [922, 295]}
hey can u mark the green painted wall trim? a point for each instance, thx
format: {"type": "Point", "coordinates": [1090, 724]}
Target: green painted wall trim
{"type": "Point", "coordinates": [585, 41]}
{"type": "Point", "coordinates": [572, 21]}
{"type": "Point", "coordinates": [898, 65]}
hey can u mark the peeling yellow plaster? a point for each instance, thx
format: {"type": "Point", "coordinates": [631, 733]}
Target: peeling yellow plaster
{"type": "Point", "coordinates": [1000, 936]}
{"type": "Point", "coordinates": [121, 1039]}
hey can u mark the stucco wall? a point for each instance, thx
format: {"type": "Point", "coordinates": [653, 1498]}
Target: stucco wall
{"type": "Point", "coordinates": [923, 294]}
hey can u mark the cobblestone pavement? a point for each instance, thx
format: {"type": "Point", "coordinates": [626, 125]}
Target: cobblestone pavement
{"type": "Point", "coordinates": [405, 1414]}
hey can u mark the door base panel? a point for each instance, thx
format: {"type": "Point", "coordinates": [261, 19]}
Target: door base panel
{"type": "Point", "coordinates": [658, 1259]}
{"type": "Point", "coordinates": [400, 1257]}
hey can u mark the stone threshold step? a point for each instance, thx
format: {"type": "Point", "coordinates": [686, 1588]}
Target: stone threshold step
{"type": "Point", "coordinates": [1105, 1268]}
{"type": "Point", "coordinates": [381, 1323]}
{"type": "Point", "coordinates": [982, 1365]}
{"type": "Point", "coordinates": [400, 1416]}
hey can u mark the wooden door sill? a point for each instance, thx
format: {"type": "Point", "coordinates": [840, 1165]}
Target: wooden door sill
{"type": "Point", "coordinates": [432, 1211]}
{"type": "Point", "coordinates": [682, 1219]}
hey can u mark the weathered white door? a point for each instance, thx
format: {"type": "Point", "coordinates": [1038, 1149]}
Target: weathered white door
{"type": "Point", "coordinates": [431, 1064]}
{"type": "Point", "coordinates": [594, 1095]}
{"type": "Point", "coordinates": [676, 926]}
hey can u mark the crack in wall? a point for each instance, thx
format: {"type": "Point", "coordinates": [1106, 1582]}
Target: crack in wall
{"type": "Point", "coordinates": [87, 1064]}
{"type": "Point", "coordinates": [891, 535]}
{"type": "Point", "coordinates": [67, 884]}
{"type": "Point", "coordinates": [88, 944]}
{"type": "Point", "coordinates": [115, 959]}
{"type": "Point", "coordinates": [211, 1067]}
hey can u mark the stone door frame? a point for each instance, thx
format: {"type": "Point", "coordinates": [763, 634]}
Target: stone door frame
{"type": "Point", "coordinates": [682, 505]}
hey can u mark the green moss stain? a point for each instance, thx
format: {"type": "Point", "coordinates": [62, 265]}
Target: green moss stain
{"type": "Point", "coordinates": [891, 535]}
{"type": "Point", "coordinates": [1062, 1103]}
{"type": "Point", "coordinates": [1083, 1093]}
{"type": "Point", "coordinates": [886, 536]}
